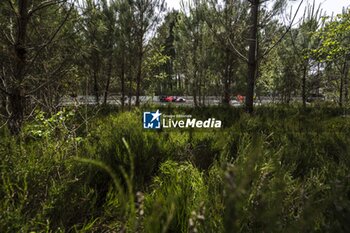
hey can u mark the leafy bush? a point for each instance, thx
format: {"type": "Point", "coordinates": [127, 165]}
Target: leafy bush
{"type": "Point", "coordinates": [281, 170]}
{"type": "Point", "coordinates": [174, 204]}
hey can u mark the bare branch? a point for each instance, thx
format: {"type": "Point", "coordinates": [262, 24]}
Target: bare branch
{"type": "Point", "coordinates": [5, 122]}
{"type": "Point", "coordinates": [52, 37]}
{"type": "Point", "coordinates": [44, 5]}
{"type": "Point", "coordinates": [3, 83]}
{"type": "Point", "coordinates": [283, 35]}
{"type": "Point", "coordinates": [48, 81]}
{"type": "Point", "coordinates": [12, 7]}
{"type": "Point", "coordinates": [7, 38]}
{"type": "Point", "coordinates": [233, 47]}
{"type": "Point", "coordinates": [4, 91]}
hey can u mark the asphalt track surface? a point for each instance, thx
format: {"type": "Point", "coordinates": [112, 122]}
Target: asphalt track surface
{"type": "Point", "coordinates": [116, 100]}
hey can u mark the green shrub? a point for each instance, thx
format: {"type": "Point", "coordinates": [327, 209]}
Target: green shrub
{"type": "Point", "coordinates": [178, 195]}
{"type": "Point", "coordinates": [279, 170]}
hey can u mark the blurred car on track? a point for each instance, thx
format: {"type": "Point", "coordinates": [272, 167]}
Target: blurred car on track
{"type": "Point", "coordinates": [315, 98]}
{"type": "Point", "coordinates": [176, 99]}
{"type": "Point", "coordinates": [179, 99]}
{"type": "Point", "coordinates": [169, 99]}
{"type": "Point", "coordinates": [162, 98]}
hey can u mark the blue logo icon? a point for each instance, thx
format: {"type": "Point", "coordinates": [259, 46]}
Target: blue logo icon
{"type": "Point", "coordinates": [151, 120]}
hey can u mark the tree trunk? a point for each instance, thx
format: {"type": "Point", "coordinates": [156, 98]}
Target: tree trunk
{"type": "Point", "coordinates": [140, 59]}
{"type": "Point", "coordinates": [227, 83]}
{"type": "Point", "coordinates": [303, 85]}
{"type": "Point", "coordinates": [194, 82]}
{"type": "Point", "coordinates": [95, 72]}
{"type": "Point", "coordinates": [138, 79]}
{"type": "Point", "coordinates": [199, 89]}
{"type": "Point", "coordinates": [109, 75]}
{"type": "Point", "coordinates": [96, 91]}
{"type": "Point", "coordinates": [122, 80]}
{"type": "Point", "coordinates": [252, 55]}
{"type": "Point", "coordinates": [130, 89]}
{"type": "Point", "coordinates": [341, 89]}
{"type": "Point", "coordinates": [106, 90]}
{"type": "Point", "coordinates": [16, 104]}
{"type": "Point", "coordinates": [17, 95]}
{"type": "Point", "coordinates": [3, 102]}
{"type": "Point", "coordinates": [346, 82]}
{"type": "Point", "coordinates": [194, 88]}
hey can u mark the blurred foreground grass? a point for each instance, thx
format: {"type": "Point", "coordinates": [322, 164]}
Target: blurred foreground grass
{"type": "Point", "coordinates": [281, 170]}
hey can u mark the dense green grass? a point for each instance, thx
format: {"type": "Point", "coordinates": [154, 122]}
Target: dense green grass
{"type": "Point", "coordinates": [281, 170]}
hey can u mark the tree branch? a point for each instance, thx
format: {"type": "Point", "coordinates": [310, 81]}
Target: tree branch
{"type": "Point", "coordinates": [4, 84]}
{"type": "Point", "coordinates": [227, 37]}
{"type": "Point", "coordinates": [51, 39]}
{"type": "Point", "coordinates": [284, 34]}
{"type": "Point", "coordinates": [12, 7]}
{"type": "Point", "coordinates": [43, 5]}
{"type": "Point", "coordinates": [48, 81]}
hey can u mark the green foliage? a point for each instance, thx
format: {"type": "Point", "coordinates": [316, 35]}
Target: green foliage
{"type": "Point", "coordinates": [49, 127]}
{"type": "Point", "coordinates": [282, 170]}
{"type": "Point", "coordinates": [334, 37]}
{"type": "Point", "coordinates": [106, 144]}
{"type": "Point", "coordinates": [154, 60]}
{"type": "Point", "coordinates": [178, 194]}
{"type": "Point", "coordinates": [40, 187]}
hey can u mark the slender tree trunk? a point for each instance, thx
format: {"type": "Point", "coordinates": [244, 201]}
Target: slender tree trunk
{"type": "Point", "coordinates": [226, 99]}
{"type": "Point", "coordinates": [138, 78]}
{"type": "Point", "coordinates": [204, 93]}
{"type": "Point", "coordinates": [96, 91]}
{"type": "Point", "coordinates": [303, 84]}
{"type": "Point", "coordinates": [199, 89]}
{"type": "Point", "coordinates": [194, 60]}
{"type": "Point", "coordinates": [122, 80]}
{"type": "Point", "coordinates": [140, 60]}
{"type": "Point", "coordinates": [106, 90]}
{"type": "Point", "coordinates": [129, 67]}
{"type": "Point", "coordinates": [16, 104]}
{"type": "Point", "coordinates": [3, 102]}
{"type": "Point", "coordinates": [202, 90]}
{"type": "Point", "coordinates": [346, 82]}
{"type": "Point", "coordinates": [341, 89]}
{"type": "Point", "coordinates": [95, 74]}
{"type": "Point", "coordinates": [194, 89]}
{"type": "Point", "coordinates": [17, 95]}
{"type": "Point", "coordinates": [170, 77]}
{"type": "Point", "coordinates": [109, 75]}
{"type": "Point", "coordinates": [227, 94]}
{"type": "Point", "coordinates": [318, 77]}
{"type": "Point", "coordinates": [252, 55]}
{"type": "Point", "coordinates": [227, 78]}
{"type": "Point", "coordinates": [130, 89]}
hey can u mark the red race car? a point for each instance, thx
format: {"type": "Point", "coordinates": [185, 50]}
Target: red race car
{"type": "Point", "coordinates": [169, 99]}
